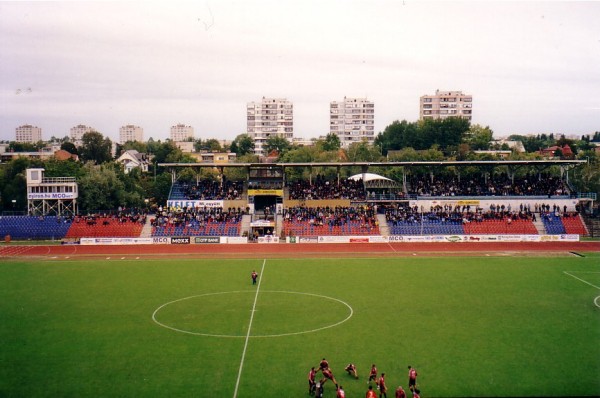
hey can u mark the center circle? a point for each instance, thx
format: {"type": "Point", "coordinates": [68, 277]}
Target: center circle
{"type": "Point", "coordinates": [228, 314]}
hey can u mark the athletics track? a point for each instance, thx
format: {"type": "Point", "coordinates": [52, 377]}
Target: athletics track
{"type": "Point", "coordinates": [315, 250]}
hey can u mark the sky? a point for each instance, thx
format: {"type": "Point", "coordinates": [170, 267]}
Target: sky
{"type": "Point", "coordinates": [531, 67]}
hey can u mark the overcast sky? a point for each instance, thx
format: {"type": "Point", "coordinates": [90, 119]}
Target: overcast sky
{"type": "Point", "coordinates": [532, 67]}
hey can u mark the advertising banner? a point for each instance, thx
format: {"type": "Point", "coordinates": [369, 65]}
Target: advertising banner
{"type": "Point", "coordinates": [234, 239]}
{"type": "Point", "coordinates": [207, 239]}
{"type": "Point", "coordinates": [268, 239]}
{"type": "Point", "coordinates": [52, 195]}
{"type": "Point", "coordinates": [184, 240]}
{"type": "Point", "coordinates": [183, 204]}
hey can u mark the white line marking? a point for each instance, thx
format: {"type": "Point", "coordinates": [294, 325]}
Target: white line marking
{"type": "Point", "coordinates": [391, 247]}
{"type": "Point", "coordinates": [254, 336]}
{"type": "Point", "coordinates": [597, 302]}
{"type": "Point", "coordinates": [582, 280]}
{"type": "Point", "coordinates": [237, 383]}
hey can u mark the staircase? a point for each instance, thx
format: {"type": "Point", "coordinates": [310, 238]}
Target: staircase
{"type": "Point", "coordinates": [147, 228]}
{"type": "Point", "coordinates": [539, 225]}
{"type": "Point", "coordinates": [245, 227]}
{"type": "Point", "coordinates": [384, 229]}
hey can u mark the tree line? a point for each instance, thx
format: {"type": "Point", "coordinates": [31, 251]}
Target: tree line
{"type": "Point", "coordinates": [104, 185]}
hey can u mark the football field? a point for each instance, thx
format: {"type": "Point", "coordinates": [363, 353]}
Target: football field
{"type": "Point", "coordinates": [471, 326]}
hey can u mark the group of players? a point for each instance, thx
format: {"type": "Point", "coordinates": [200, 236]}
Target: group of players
{"type": "Point", "coordinates": [317, 388]}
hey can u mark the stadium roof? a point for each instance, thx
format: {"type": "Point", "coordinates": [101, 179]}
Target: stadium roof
{"type": "Point", "coordinates": [366, 177]}
{"type": "Point", "coordinates": [543, 163]}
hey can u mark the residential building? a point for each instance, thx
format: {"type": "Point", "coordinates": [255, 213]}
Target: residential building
{"type": "Point", "coordinates": [214, 157]}
{"type": "Point", "coordinates": [28, 133]}
{"type": "Point", "coordinates": [352, 120]}
{"type": "Point", "coordinates": [132, 159]}
{"type": "Point", "coordinates": [185, 146]}
{"type": "Point", "coordinates": [267, 118]}
{"type": "Point", "coordinates": [181, 132]}
{"type": "Point", "coordinates": [77, 133]}
{"type": "Point", "coordinates": [131, 133]}
{"type": "Point", "coordinates": [446, 104]}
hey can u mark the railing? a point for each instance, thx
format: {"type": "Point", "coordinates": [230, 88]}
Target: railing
{"type": "Point", "coordinates": [58, 180]}
{"type": "Point", "coordinates": [586, 195]}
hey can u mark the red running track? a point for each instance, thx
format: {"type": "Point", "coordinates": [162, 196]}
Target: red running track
{"type": "Point", "coordinates": [281, 250]}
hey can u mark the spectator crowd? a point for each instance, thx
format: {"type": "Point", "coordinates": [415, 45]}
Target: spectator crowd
{"type": "Point", "coordinates": [213, 190]}
{"type": "Point", "coordinates": [500, 185]}
{"type": "Point", "coordinates": [325, 189]}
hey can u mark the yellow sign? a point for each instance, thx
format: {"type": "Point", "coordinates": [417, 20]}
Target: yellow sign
{"type": "Point", "coordinates": [272, 192]}
{"type": "Point", "coordinates": [467, 202]}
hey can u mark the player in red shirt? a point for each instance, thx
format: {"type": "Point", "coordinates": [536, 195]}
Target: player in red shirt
{"type": "Point", "coordinates": [323, 365]}
{"type": "Point", "coordinates": [351, 369]}
{"type": "Point", "coordinates": [373, 374]}
{"type": "Point", "coordinates": [340, 393]}
{"type": "Point", "coordinates": [382, 386]}
{"type": "Point", "coordinates": [311, 381]}
{"type": "Point", "coordinates": [370, 393]}
{"type": "Point", "coordinates": [417, 393]}
{"type": "Point", "coordinates": [400, 392]}
{"type": "Point", "coordinates": [412, 378]}
{"type": "Point", "coordinates": [328, 375]}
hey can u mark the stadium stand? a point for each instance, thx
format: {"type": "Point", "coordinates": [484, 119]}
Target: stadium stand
{"type": "Point", "coordinates": [574, 224]}
{"type": "Point", "coordinates": [198, 222]}
{"type": "Point", "coordinates": [324, 189]}
{"type": "Point", "coordinates": [498, 185]}
{"type": "Point", "coordinates": [115, 226]}
{"type": "Point", "coordinates": [34, 227]}
{"type": "Point", "coordinates": [207, 190]}
{"type": "Point", "coordinates": [325, 221]}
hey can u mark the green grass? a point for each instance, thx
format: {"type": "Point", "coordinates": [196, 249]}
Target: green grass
{"type": "Point", "coordinates": [474, 326]}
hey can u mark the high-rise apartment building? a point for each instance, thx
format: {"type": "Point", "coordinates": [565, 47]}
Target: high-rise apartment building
{"type": "Point", "coordinates": [181, 132]}
{"type": "Point", "coordinates": [445, 104]}
{"type": "Point", "coordinates": [28, 133]}
{"type": "Point", "coordinates": [77, 133]}
{"type": "Point", "coordinates": [131, 133]}
{"type": "Point", "coordinates": [352, 120]}
{"type": "Point", "coordinates": [268, 118]}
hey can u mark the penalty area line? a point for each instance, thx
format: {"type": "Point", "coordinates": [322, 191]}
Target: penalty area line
{"type": "Point", "coordinates": [237, 383]}
{"type": "Point", "coordinates": [582, 280]}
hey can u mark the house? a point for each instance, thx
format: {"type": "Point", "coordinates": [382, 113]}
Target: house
{"type": "Point", "coordinates": [132, 159]}
{"type": "Point", "coordinates": [549, 152]}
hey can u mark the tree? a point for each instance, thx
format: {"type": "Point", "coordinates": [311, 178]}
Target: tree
{"type": "Point", "coordinates": [242, 145]}
{"type": "Point", "coordinates": [210, 145]}
{"type": "Point", "coordinates": [100, 188]}
{"type": "Point", "coordinates": [13, 183]}
{"type": "Point", "coordinates": [95, 148]}
{"type": "Point", "coordinates": [478, 137]}
{"type": "Point", "coordinates": [276, 143]}
{"type": "Point", "coordinates": [363, 152]}
{"type": "Point", "coordinates": [330, 143]}
{"type": "Point", "coordinates": [15, 146]}
{"type": "Point", "coordinates": [69, 147]}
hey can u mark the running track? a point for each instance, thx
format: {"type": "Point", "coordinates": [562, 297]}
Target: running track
{"type": "Point", "coordinates": [282, 250]}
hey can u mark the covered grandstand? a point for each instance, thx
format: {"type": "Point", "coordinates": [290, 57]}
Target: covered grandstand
{"type": "Point", "coordinates": [266, 206]}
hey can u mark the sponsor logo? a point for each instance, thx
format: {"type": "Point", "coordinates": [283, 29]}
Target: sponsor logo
{"type": "Point", "coordinates": [474, 238]}
{"type": "Point", "coordinates": [395, 238]}
{"type": "Point", "coordinates": [454, 238]}
{"type": "Point", "coordinates": [180, 241]}
{"type": "Point", "coordinates": [359, 240]}
{"type": "Point", "coordinates": [160, 240]}
{"type": "Point", "coordinates": [307, 239]}
{"type": "Point", "coordinates": [207, 239]}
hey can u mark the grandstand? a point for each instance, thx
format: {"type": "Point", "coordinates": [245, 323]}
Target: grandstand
{"type": "Point", "coordinates": [268, 204]}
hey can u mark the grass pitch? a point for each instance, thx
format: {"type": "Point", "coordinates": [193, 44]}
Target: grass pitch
{"type": "Point", "coordinates": [472, 326]}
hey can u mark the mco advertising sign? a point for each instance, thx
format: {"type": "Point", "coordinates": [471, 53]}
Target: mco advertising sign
{"type": "Point", "coordinates": [188, 204]}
